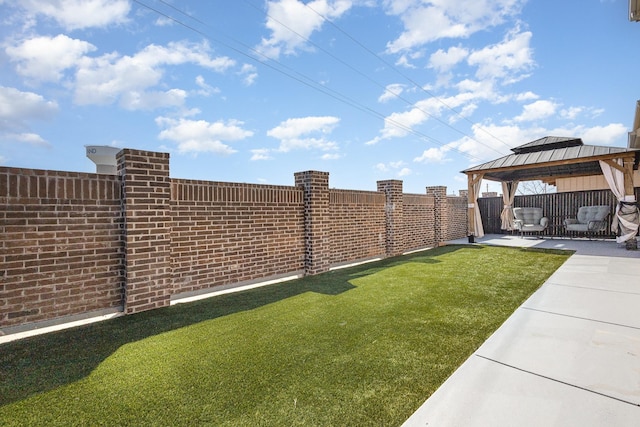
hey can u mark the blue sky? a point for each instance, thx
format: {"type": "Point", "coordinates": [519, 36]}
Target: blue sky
{"type": "Point", "coordinates": [253, 91]}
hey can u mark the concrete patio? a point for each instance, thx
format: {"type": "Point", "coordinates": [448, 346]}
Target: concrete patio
{"type": "Point", "coordinates": [569, 356]}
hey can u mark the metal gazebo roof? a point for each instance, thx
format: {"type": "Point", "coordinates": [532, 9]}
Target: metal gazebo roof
{"type": "Point", "coordinates": [549, 158]}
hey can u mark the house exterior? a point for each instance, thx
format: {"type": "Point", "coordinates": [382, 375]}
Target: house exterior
{"type": "Point", "coordinates": [597, 182]}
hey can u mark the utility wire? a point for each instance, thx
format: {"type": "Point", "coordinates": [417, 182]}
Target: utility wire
{"type": "Point", "coordinates": [367, 77]}
{"type": "Point", "coordinates": [291, 73]}
{"type": "Point", "coordinates": [416, 84]}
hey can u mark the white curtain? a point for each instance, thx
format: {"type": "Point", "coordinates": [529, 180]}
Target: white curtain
{"type": "Point", "coordinates": [508, 195]}
{"type": "Point", "coordinates": [479, 230]}
{"type": "Point", "coordinates": [626, 216]}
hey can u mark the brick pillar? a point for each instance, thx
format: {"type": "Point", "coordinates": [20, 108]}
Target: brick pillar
{"type": "Point", "coordinates": [394, 212]}
{"type": "Point", "coordinates": [146, 193]}
{"type": "Point", "coordinates": [441, 213]}
{"type": "Point", "coordinates": [317, 256]}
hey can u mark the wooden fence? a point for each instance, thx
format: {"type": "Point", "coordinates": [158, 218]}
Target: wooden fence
{"type": "Point", "coordinates": [555, 206]}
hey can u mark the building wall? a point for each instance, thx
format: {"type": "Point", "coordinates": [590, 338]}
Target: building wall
{"type": "Point", "coordinates": [419, 230]}
{"type": "Point", "coordinates": [587, 183]}
{"type": "Point", "coordinates": [357, 225]}
{"type": "Point", "coordinates": [224, 233]}
{"type": "Point", "coordinates": [74, 244]}
{"type": "Point", "coordinates": [61, 246]}
{"type": "Point", "coordinates": [457, 213]}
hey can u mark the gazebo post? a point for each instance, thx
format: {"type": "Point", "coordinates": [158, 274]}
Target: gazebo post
{"type": "Point", "coordinates": [629, 190]}
{"type": "Point", "coordinates": [472, 212]}
{"type": "Point", "coordinates": [470, 208]}
{"type": "Point", "coordinates": [628, 175]}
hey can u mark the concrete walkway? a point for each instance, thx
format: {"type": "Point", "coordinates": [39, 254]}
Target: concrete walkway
{"type": "Point", "coordinates": [569, 356]}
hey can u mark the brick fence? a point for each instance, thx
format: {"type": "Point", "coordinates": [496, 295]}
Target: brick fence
{"type": "Point", "coordinates": [77, 244]}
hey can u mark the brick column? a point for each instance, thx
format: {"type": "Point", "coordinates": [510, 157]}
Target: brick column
{"type": "Point", "coordinates": [441, 213]}
{"type": "Point", "coordinates": [394, 212]}
{"type": "Point", "coordinates": [146, 193]}
{"type": "Point", "coordinates": [317, 256]}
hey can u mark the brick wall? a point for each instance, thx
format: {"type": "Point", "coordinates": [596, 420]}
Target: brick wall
{"type": "Point", "coordinates": [419, 221]}
{"type": "Point", "coordinates": [357, 225]}
{"type": "Point", "coordinates": [440, 212]}
{"type": "Point", "coordinates": [225, 233]}
{"type": "Point", "coordinates": [146, 193]}
{"type": "Point", "coordinates": [317, 225]}
{"type": "Point", "coordinates": [75, 243]}
{"type": "Point", "coordinates": [60, 250]}
{"type": "Point", "coordinates": [457, 218]}
{"type": "Point", "coordinates": [394, 216]}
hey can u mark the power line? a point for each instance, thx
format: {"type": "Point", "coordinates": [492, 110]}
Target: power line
{"type": "Point", "coordinates": [367, 77]}
{"type": "Point", "coordinates": [291, 73]}
{"type": "Point", "coordinates": [413, 82]}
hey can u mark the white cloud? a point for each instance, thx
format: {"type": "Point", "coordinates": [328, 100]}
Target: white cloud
{"type": "Point", "coordinates": [400, 124]}
{"type": "Point", "coordinates": [392, 91]}
{"type": "Point", "coordinates": [403, 61]}
{"type": "Point", "coordinates": [526, 96]}
{"type": "Point", "coordinates": [536, 111]}
{"type": "Point", "coordinates": [136, 100]}
{"type": "Point", "coordinates": [382, 167]}
{"type": "Point", "coordinates": [79, 14]}
{"type": "Point", "coordinates": [163, 21]}
{"type": "Point", "coordinates": [109, 78]}
{"type": "Point", "coordinates": [45, 58]}
{"type": "Point", "coordinates": [492, 141]}
{"type": "Point", "coordinates": [477, 90]}
{"type": "Point", "coordinates": [398, 168]}
{"type": "Point", "coordinates": [26, 138]}
{"type": "Point", "coordinates": [112, 77]}
{"type": "Point", "coordinates": [292, 22]}
{"type": "Point", "coordinates": [249, 74]}
{"type": "Point", "coordinates": [205, 88]}
{"type": "Point", "coordinates": [606, 135]}
{"type": "Point", "coordinates": [446, 19]}
{"type": "Point", "coordinates": [18, 109]}
{"type": "Point", "coordinates": [404, 172]}
{"type": "Point", "coordinates": [433, 155]}
{"type": "Point", "coordinates": [295, 133]}
{"type": "Point", "coordinates": [261, 154]}
{"type": "Point", "coordinates": [416, 33]}
{"type": "Point", "coordinates": [195, 136]}
{"type": "Point", "coordinates": [444, 61]}
{"type": "Point", "coordinates": [571, 113]}
{"type": "Point", "coordinates": [509, 60]}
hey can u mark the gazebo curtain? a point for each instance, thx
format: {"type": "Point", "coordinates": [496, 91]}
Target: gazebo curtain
{"type": "Point", "coordinates": [626, 217]}
{"type": "Point", "coordinates": [477, 185]}
{"type": "Point", "coordinates": [508, 195]}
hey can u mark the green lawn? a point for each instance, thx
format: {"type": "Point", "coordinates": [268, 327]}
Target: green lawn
{"type": "Point", "coordinates": [354, 347]}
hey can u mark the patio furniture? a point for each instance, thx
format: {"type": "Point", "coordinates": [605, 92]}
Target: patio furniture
{"type": "Point", "coordinates": [528, 220]}
{"type": "Point", "coordinates": [590, 220]}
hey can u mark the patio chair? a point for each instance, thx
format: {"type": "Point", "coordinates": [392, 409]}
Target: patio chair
{"type": "Point", "coordinates": [590, 220]}
{"type": "Point", "coordinates": [528, 220]}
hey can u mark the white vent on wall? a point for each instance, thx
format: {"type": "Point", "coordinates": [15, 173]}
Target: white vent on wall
{"type": "Point", "coordinates": [104, 157]}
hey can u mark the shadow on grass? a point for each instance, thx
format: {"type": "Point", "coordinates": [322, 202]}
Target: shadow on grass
{"type": "Point", "coordinates": [45, 362]}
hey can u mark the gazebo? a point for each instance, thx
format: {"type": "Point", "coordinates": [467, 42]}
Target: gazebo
{"type": "Point", "coordinates": [550, 158]}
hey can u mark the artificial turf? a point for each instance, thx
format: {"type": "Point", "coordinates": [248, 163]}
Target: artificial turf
{"type": "Point", "coordinates": [359, 346]}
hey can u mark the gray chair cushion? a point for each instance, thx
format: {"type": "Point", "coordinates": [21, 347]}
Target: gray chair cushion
{"type": "Point", "coordinates": [589, 218]}
{"type": "Point", "coordinates": [529, 219]}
